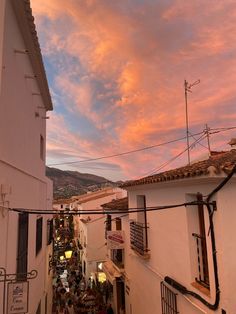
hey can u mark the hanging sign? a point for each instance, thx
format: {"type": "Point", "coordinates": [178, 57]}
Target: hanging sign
{"type": "Point", "coordinates": [115, 240]}
{"type": "Point", "coordinates": [17, 297]}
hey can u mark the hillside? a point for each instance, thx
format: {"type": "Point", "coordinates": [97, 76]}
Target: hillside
{"type": "Point", "coordinates": [68, 183]}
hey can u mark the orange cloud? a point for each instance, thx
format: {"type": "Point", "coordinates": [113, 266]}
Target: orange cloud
{"type": "Point", "coordinates": [123, 68]}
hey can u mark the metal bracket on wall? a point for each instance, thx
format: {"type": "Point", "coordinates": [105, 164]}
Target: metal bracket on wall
{"type": "Point", "coordinates": [4, 277]}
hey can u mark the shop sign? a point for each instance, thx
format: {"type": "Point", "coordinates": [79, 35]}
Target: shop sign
{"type": "Point", "coordinates": [115, 240]}
{"type": "Point", "coordinates": [17, 297]}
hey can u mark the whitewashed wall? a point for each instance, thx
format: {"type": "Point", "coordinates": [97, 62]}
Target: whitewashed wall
{"type": "Point", "coordinates": [170, 246]}
{"type": "Point", "coordinates": [21, 167]}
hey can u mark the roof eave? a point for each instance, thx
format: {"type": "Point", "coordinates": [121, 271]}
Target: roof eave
{"type": "Point", "coordinates": [26, 24]}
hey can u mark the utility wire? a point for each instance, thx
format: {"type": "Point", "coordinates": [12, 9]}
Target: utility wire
{"type": "Point", "coordinates": [226, 129]}
{"type": "Point", "coordinates": [214, 130]}
{"type": "Point", "coordinates": [105, 212]}
{"type": "Point", "coordinates": [123, 153]}
{"type": "Point", "coordinates": [155, 170]}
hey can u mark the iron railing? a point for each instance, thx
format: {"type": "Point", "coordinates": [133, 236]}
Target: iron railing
{"type": "Point", "coordinates": [138, 237]}
{"type": "Point", "coordinates": [202, 272]}
{"type": "Point", "coordinates": [168, 300]}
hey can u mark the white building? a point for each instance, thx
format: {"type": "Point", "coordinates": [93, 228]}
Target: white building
{"type": "Point", "coordinates": [91, 228]}
{"type": "Point", "coordinates": [24, 101]}
{"type": "Point", "coordinates": [182, 259]}
{"type": "Point", "coordinates": [116, 228]}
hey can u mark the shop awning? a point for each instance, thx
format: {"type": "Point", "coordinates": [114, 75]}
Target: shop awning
{"type": "Point", "coordinates": [111, 271]}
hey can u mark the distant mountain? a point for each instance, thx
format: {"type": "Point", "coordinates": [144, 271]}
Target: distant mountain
{"type": "Point", "coordinates": [69, 183]}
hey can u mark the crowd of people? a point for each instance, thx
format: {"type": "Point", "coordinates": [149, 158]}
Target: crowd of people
{"type": "Point", "coordinates": [73, 295]}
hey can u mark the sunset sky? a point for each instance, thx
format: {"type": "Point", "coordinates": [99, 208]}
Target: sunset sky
{"type": "Point", "coordinates": [116, 72]}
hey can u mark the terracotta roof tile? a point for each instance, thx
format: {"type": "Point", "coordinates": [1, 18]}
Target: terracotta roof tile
{"type": "Point", "coordinates": [214, 165]}
{"type": "Point", "coordinates": [94, 197]}
{"type": "Point", "coordinates": [119, 204]}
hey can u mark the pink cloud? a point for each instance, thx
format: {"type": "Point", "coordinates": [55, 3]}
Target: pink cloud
{"type": "Point", "coordinates": [141, 55]}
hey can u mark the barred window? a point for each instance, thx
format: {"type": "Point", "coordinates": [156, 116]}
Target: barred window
{"type": "Point", "coordinates": [168, 300]}
{"type": "Point", "coordinates": [39, 234]}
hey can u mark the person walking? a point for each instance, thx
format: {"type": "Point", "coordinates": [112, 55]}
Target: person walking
{"type": "Point", "coordinates": [70, 308]}
{"type": "Point", "coordinates": [110, 310]}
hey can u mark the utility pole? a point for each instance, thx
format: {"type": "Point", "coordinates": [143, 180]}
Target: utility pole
{"type": "Point", "coordinates": [187, 88]}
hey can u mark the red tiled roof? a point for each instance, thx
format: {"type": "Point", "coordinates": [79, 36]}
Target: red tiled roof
{"type": "Point", "coordinates": [218, 162]}
{"type": "Point", "coordinates": [91, 197]}
{"type": "Point", "coordinates": [119, 204]}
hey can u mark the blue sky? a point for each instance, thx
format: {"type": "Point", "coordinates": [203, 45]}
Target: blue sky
{"type": "Point", "coordinates": [116, 71]}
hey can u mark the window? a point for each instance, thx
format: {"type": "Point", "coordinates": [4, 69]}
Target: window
{"type": "Point", "coordinates": [118, 224]}
{"type": "Point", "coordinates": [22, 251]}
{"type": "Point", "coordinates": [118, 254]}
{"type": "Point", "coordinates": [168, 300]}
{"type": "Point", "coordinates": [49, 231]}
{"type": "Point", "coordinates": [139, 228]}
{"type": "Point", "coordinates": [41, 147]}
{"type": "Point", "coordinates": [201, 246]}
{"type": "Point", "coordinates": [198, 242]}
{"type": "Point", "coordinates": [108, 225]}
{"type": "Point", "coordinates": [39, 234]}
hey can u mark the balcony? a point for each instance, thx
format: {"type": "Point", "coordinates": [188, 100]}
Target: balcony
{"type": "Point", "coordinates": [202, 268]}
{"type": "Point", "coordinates": [138, 238]}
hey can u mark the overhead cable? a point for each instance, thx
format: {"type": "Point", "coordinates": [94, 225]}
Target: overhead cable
{"type": "Point", "coordinates": [123, 153]}
{"type": "Point", "coordinates": [102, 211]}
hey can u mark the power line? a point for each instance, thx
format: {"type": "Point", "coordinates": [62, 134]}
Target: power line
{"type": "Point", "coordinates": [123, 153]}
{"type": "Point", "coordinates": [214, 130]}
{"type": "Point", "coordinates": [226, 129]}
{"type": "Point", "coordinates": [155, 170]}
{"type": "Point", "coordinates": [105, 212]}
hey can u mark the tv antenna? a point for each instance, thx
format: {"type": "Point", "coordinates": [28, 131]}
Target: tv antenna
{"type": "Point", "coordinates": [187, 88]}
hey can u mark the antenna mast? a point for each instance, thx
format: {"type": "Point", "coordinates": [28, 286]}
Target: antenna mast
{"type": "Point", "coordinates": [187, 88]}
{"type": "Point", "coordinates": [207, 129]}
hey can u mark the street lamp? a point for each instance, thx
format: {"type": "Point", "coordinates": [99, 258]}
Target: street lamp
{"type": "Point", "coordinates": [68, 252]}
{"type": "Point", "coordinates": [62, 257]}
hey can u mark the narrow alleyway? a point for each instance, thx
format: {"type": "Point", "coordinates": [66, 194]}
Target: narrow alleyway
{"type": "Point", "coordinates": [71, 293]}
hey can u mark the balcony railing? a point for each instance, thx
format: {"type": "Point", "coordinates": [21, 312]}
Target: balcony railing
{"type": "Point", "coordinates": [202, 272]}
{"type": "Point", "coordinates": [138, 237]}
